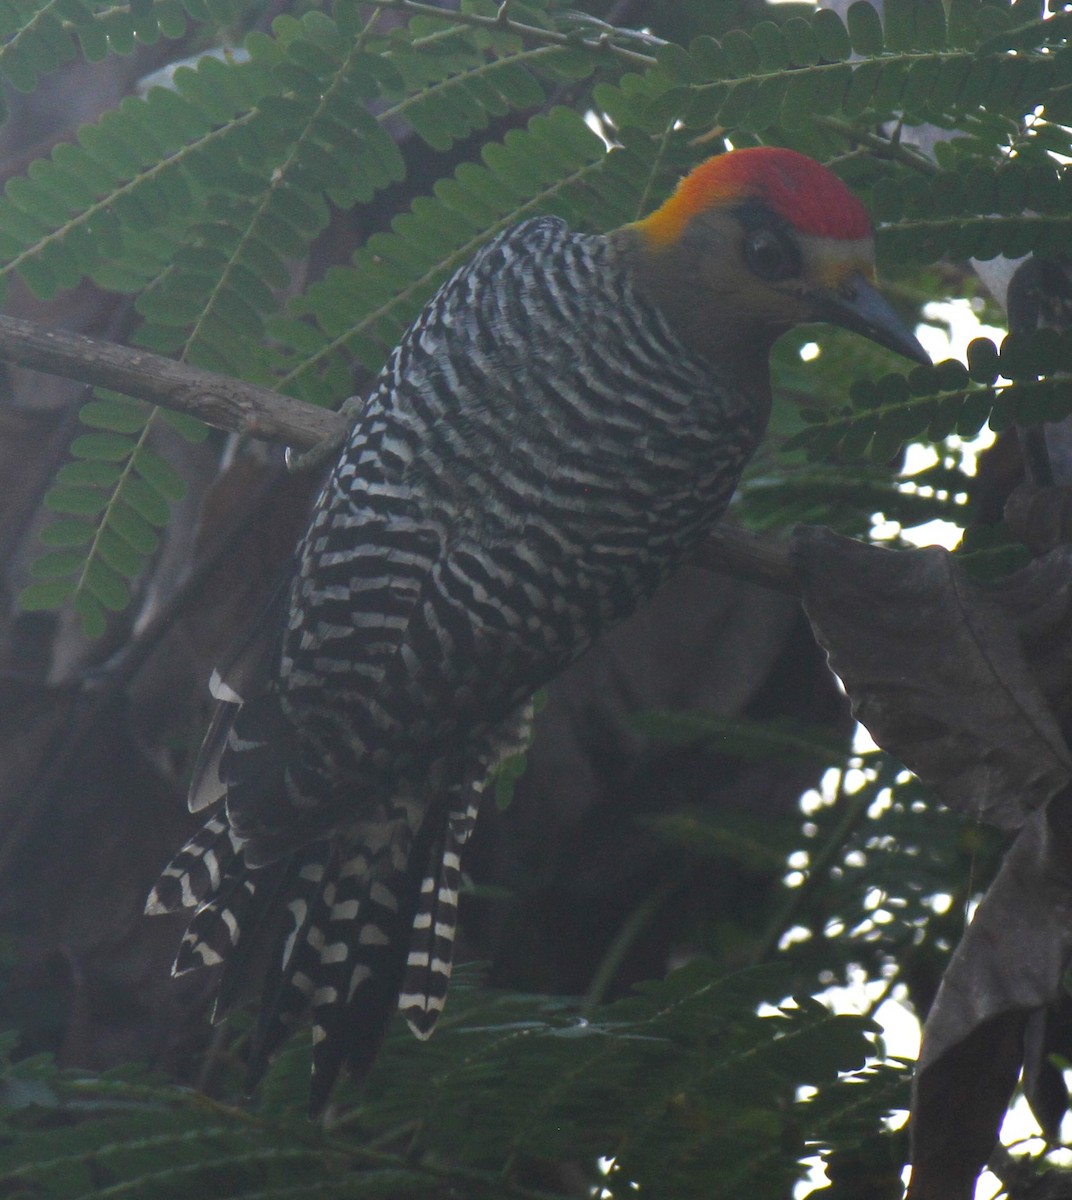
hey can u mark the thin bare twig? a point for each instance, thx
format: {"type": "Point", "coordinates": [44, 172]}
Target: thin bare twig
{"type": "Point", "coordinates": [502, 23]}
{"type": "Point", "coordinates": [755, 557]}
{"type": "Point", "coordinates": [225, 403]}
{"type": "Point", "coordinates": [884, 147]}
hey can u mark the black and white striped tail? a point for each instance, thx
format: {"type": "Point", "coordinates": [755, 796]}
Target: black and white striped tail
{"type": "Point", "coordinates": [337, 917]}
{"type": "Point", "coordinates": [198, 870]}
{"type": "Point", "coordinates": [435, 924]}
{"type": "Point", "coordinates": [435, 927]}
{"type": "Point", "coordinates": [339, 957]}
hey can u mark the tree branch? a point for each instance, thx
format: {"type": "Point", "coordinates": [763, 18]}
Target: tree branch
{"type": "Point", "coordinates": [259, 412]}
{"type": "Point", "coordinates": [884, 147]}
{"type": "Point", "coordinates": [225, 403]}
{"type": "Point", "coordinates": [755, 557]}
{"type": "Point", "coordinates": [528, 33]}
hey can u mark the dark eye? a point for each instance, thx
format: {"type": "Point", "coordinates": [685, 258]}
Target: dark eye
{"type": "Point", "coordinates": [770, 255]}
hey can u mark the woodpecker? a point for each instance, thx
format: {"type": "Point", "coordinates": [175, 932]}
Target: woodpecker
{"type": "Point", "coordinates": [562, 424]}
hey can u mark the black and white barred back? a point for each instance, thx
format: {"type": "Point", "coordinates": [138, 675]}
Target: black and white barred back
{"type": "Point", "coordinates": [537, 455]}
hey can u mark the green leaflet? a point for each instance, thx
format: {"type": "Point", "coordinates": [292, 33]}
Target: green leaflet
{"type": "Point", "coordinates": [325, 140]}
{"type": "Point", "coordinates": [946, 399]}
{"type": "Point", "coordinates": [113, 496]}
{"type": "Point", "coordinates": [913, 65]}
{"type": "Point", "coordinates": [665, 1081]}
{"type": "Point", "coordinates": [738, 737]}
{"type": "Point", "coordinates": [203, 196]}
{"type": "Point", "coordinates": [256, 145]}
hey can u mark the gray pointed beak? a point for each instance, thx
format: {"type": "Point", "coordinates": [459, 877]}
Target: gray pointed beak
{"type": "Point", "coordinates": [859, 307]}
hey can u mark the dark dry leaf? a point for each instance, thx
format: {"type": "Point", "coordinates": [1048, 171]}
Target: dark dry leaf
{"type": "Point", "coordinates": [1038, 599]}
{"type": "Point", "coordinates": [934, 670]}
{"type": "Point", "coordinates": [957, 682]}
{"type": "Point", "coordinates": [1040, 517]}
{"type": "Point", "coordinates": [1010, 963]}
{"type": "Point", "coordinates": [958, 1106]}
{"type": "Point", "coordinates": [1048, 1043]}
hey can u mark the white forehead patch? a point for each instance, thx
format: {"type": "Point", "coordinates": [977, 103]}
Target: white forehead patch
{"type": "Point", "coordinates": [829, 261]}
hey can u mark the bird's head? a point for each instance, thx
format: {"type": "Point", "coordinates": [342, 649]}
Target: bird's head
{"type": "Point", "coordinates": [756, 241]}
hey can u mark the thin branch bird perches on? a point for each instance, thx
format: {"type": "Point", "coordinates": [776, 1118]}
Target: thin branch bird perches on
{"type": "Point", "coordinates": [258, 412]}
{"type": "Point", "coordinates": [224, 403]}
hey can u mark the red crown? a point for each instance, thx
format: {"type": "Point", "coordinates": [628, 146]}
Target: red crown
{"type": "Point", "coordinates": [812, 199]}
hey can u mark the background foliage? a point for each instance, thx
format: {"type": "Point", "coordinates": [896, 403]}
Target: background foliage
{"type": "Point", "coordinates": [278, 206]}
